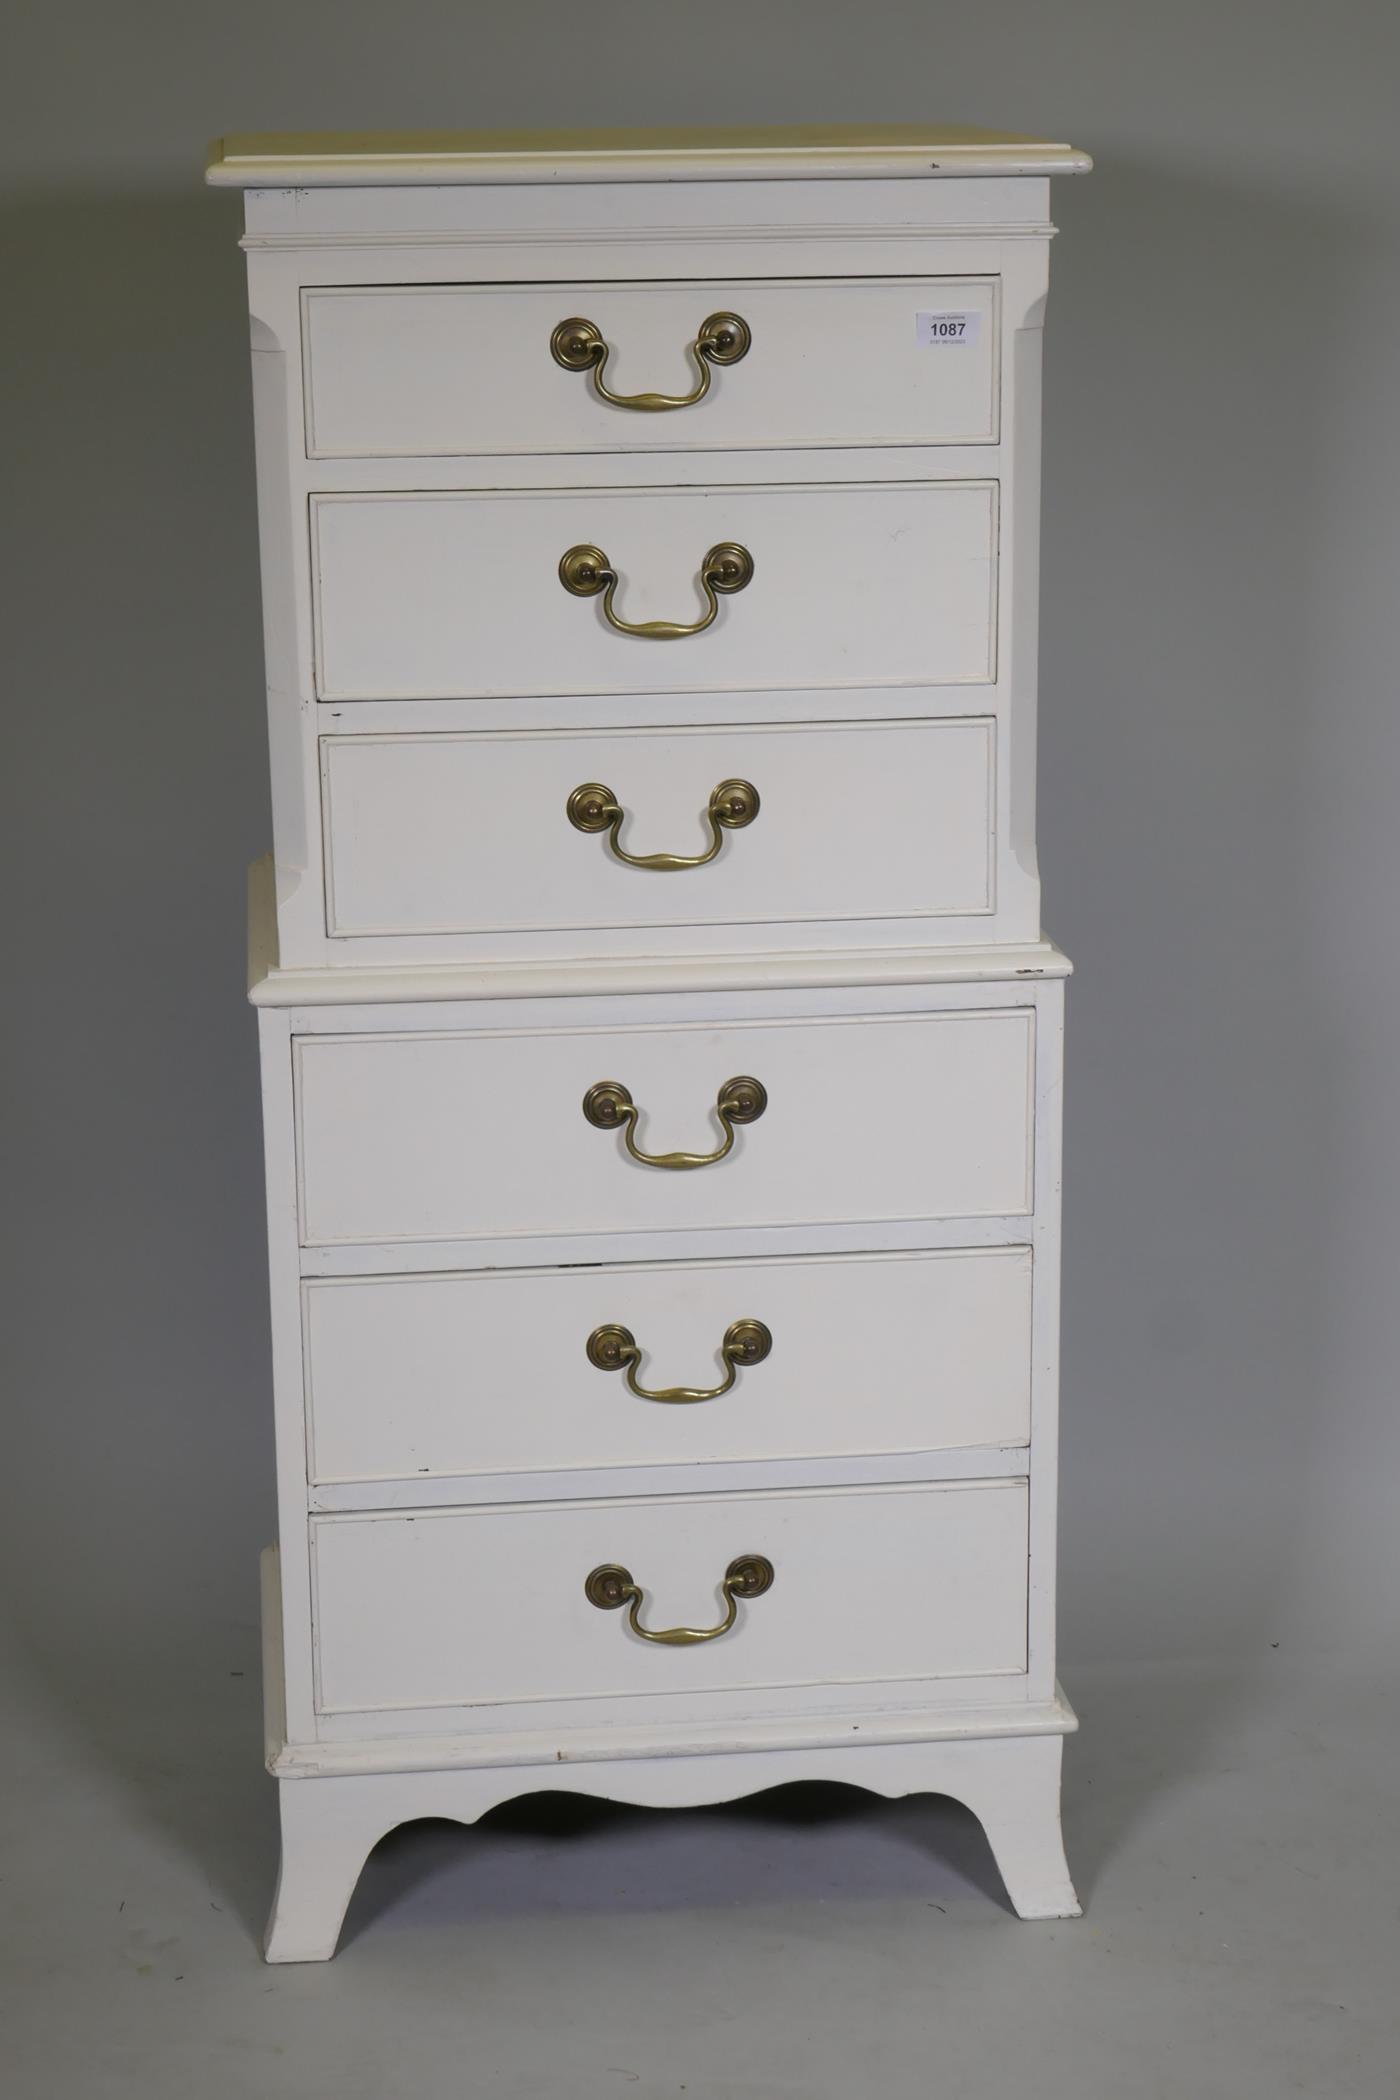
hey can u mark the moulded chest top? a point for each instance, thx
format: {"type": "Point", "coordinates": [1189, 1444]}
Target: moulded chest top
{"type": "Point", "coordinates": [370, 159]}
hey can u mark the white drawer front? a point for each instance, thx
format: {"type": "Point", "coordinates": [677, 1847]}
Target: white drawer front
{"type": "Point", "coordinates": [457, 594]}
{"type": "Point", "coordinates": [413, 1376]}
{"type": "Point", "coordinates": [416, 370]}
{"type": "Point", "coordinates": [452, 1136]}
{"type": "Point", "coordinates": [477, 1607]}
{"type": "Point", "coordinates": [444, 834]}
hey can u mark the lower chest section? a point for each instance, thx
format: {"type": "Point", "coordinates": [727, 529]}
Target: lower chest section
{"type": "Point", "coordinates": [656, 1363]}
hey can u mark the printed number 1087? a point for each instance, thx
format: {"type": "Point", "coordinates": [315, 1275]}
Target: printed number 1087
{"type": "Point", "coordinates": [948, 328]}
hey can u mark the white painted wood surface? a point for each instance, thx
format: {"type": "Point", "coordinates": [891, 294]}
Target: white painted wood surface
{"type": "Point", "coordinates": [454, 978]}
{"type": "Point", "coordinates": [688, 153]}
{"type": "Point", "coordinates": [404, 241]}
{"type": "Point", "coordinates": [669, 1476]}
{"type": "Point", "coordinates": [486, 1606]}
{"type": "Point", "coordinates": [441, 1136]}
{"type": "Point", "coordinates": [443, 966]}
{"type": "Point", "coordinates": [574, 1720]}
{"type": "Point", "coordinates": [451, 593]}
{"type": "Point", "coordinates": [552, 236]}
{"type": "Point", "coordinates": [438, 834]}
{"type": "Point", "coordinates": [1004, 1767]}
{"type": "Point", "coordinates": [413, 1376]}
{"type": "Point", "coordinates": [417, 371]}
{"type": "Point", "coordinates": [1011, 1783]}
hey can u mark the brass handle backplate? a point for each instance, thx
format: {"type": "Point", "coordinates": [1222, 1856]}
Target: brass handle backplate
{"type": "Point", "coordinates": [610, 1587]}
{"type": "Point", "coordinates": [609, 1106]}
{"type": "Point", "coordinates": [612, 1348]}
{"type": "Point", "coordinates": [728, 567]}
{"type": "Point", "coordinates": [578, 346]}
{"type": "Point", "coordinates": [593, 807]}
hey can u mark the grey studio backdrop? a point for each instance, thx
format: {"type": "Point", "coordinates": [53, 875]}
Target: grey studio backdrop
{"type": "Point", "coordinates": [1220, 751]}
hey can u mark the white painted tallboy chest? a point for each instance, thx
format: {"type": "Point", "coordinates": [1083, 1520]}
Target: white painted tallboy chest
{"type": "Point", "coordinates": [661, 1054]}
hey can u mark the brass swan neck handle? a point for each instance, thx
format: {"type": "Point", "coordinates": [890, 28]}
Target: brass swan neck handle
{"type": "Point", "coordinates": [578, 345]}
{"type": "Point", "coordinates": [610, 1587]}
{"type": "Point", "coordinates": [593, 807]}
{"type": "Point", "coordinates": [614, 1348]}
{"type": "Point", "coordinates": [609, 1106]}
{"type": "Point", "coordinates": [585, 570]}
